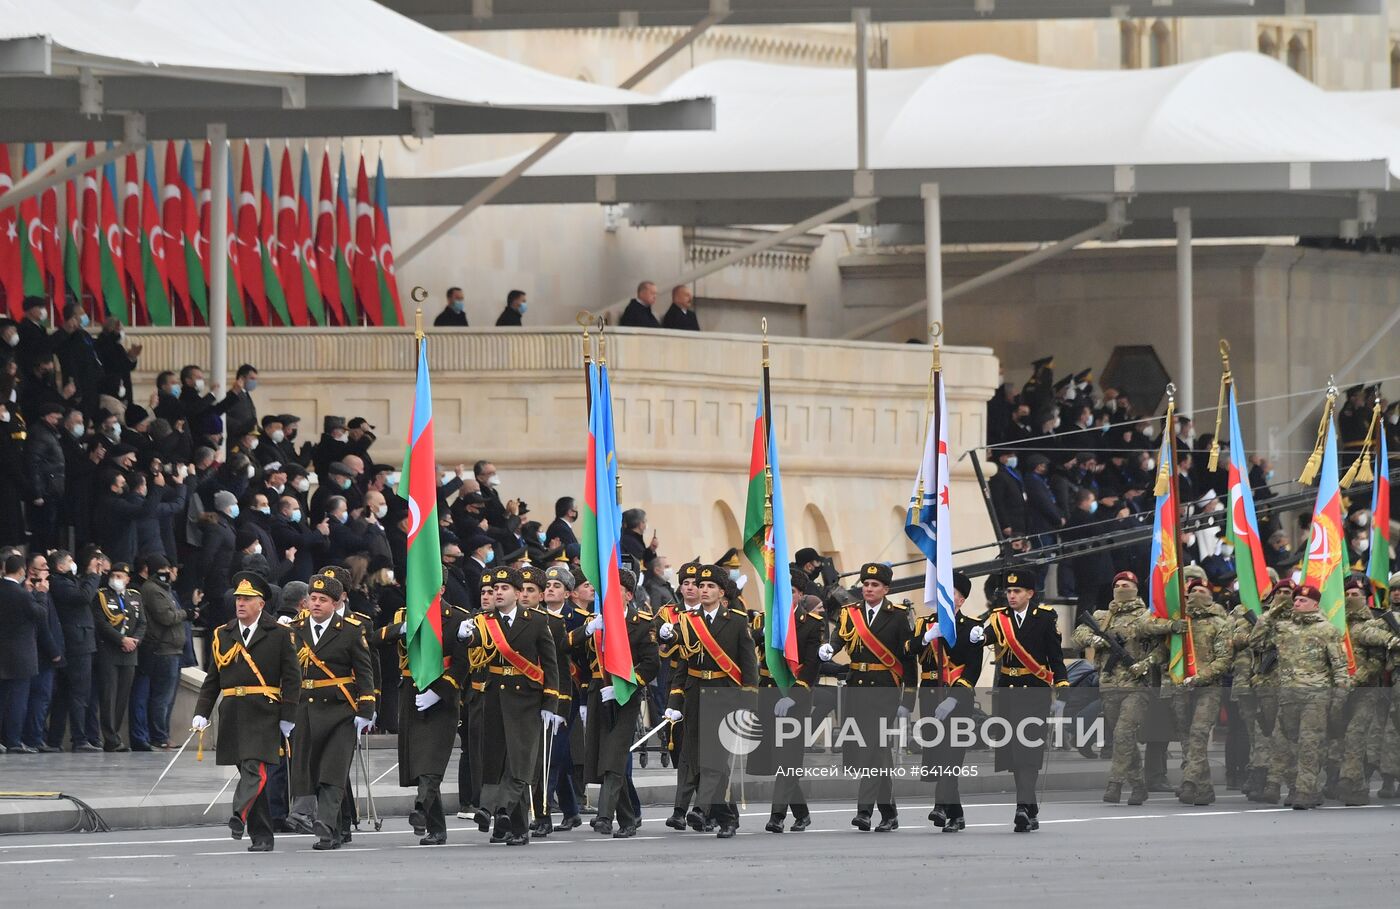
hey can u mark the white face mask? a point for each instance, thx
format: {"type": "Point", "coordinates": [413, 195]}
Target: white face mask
{"type": "Point", "coordinates": [13, 339]}
{"type": "Point", "coordinates": [393, 478]}
{"type": "Point", "coordinates": [670, 575]}
{"type": "Point", "coordinates": [296, 515]}
{"type": "Point", "coordinates": [277, 435]}
{"type": "Point", "coordinates": [1394, 417]}
{"type": "Point", "coordinates": [1150, 431]}
{"type": "Point", "coordinates": [77, 430]}
{"type": "Point", "coordinates": [251, 471]}
{"type": "Point", "coordinates": [1363, 544]}
{"type": "Point", "coordinates": [388, 577]}
{"type": "Point", "coordinates": [116, 584]}
{"type": "Point", "coordinates": [199, 385]}
{"type": "Point", "coordinates": [340, 435]}
{"type": "Point", "coordinates": [381, 511]}
{"type": "Point", "coordinates": [1363, 518]}
{"type": "Point", "coordinates": [257, 549]}
{"type": "Point", "coordinates": [300, 484]}
{"type": "Point", "coordinates": [253, 444]}
{"type": "Point", "coordinates": [4, 416]}
{"type": "Point", "coordinates": [343, 517]}
{"type": "Point", "coordinates": [1150, 465]}
{"type": "Point", "coordinates": [495, 479]}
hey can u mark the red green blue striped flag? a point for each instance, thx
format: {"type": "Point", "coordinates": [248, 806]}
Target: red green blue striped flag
{"type": "Point", "coordinates": [1242, 527]}
{"type": "Point", "coordinates": [423, 585]}
{"type": "Point", "coordinates": [1327, 552]}
{"type": "Point", "coordinates": [1378, 564]}
{"type": "Point", "coordinates": [1165, 594]}
{"type": "Point", "coordinates": [765, 543]}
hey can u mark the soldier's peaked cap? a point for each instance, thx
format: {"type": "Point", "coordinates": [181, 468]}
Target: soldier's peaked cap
{"type": "Point", "coordinates": [249, 584]}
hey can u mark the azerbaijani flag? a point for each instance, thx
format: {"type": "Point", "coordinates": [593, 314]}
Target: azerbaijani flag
{"type": "Point", "coordinates": [131, 236]}
{"type": "Point", "coordinates": [153, 262]}
{"type": "Point", "coordinates": [344, 247]}
{"type": "Point", "coordinates": [53, 239]}
{"type": "Point", "coordinates": [1242, 526]}
{"type": "Point", "coordinates": [1378, 565]}
{"type": "Point", "coordinates": [31, 237]}
{"type": "Point", "coordinates": [602, 534]}
{"type": "Point", "coordinates": [173, 240]}
{"type": "Point", "coordinates": [1165, 593]}
{"type": "Point", "coordinates": [72, 277]}
{"type": "Point", "coordinates": [384, 252]}
{"type": "Point", "coordinates": [268, 244]}
{"type": "Point", "coordinates": [423, 585]}
{"type": "Point", "coordinates": [929, 523]}
{"type": "Point", "coordinates": [765, 543]}
{"type": "Point", "coordinates": [196, 246]}
{"type": "Point", "coordinates": [111, 255]}
{"type": "Point", "coordinates": [1327, 548]}
{"type": "Point", "coordinates": [306, 250]}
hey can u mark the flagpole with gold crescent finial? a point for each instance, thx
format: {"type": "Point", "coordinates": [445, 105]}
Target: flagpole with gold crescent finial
{"type": "Point", "coordinates": [1360, 469]}
{"type": "Point", "coordinates": [1225, 382]}
{"type": "Point", "coordinates": [585, 319]}
{"type": "Point", "coordinates": [767, 437]}
{"type": "Point", "coordinates": [1314, 462]}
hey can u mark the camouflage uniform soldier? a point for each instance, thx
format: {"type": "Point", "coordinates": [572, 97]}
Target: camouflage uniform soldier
{"type": "Point", "coordinates": [1197, 700]}
{"type": "Point", "coordinates": [1123, 684]}
{"type": "Point", "coordinates": [1311, 667]}
{"type": "Point", "coordinates": [1385, 732]}
{"type": "Point", "coordinates": [1372, 644]}
{"type": "Point", "coordinates": [1242, 668]}
{"type": "Point", "coordinates": [1263, 683]}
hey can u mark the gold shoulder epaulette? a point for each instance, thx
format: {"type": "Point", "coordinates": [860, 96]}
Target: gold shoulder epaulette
{"type": "Point", "coordinates": [899, 606]}
{"type": "Point", "coordinates": [400, 616]}
{"type": "Point", "coordinates": [1043, 608]}
{"type": "Point", "coordinates": [641, 616]}
{"type": "Point", "coordinates": [351, 620]}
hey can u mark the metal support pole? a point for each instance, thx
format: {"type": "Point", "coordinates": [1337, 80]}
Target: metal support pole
{"type": "Point", "coordinates": [1185, 401]}
{"type": "Point", "coordinates": [218, 253]}
{"type": "Point", "coordinates": [933, 254]}
{"type": "Point", "coordinates": [862, 20]}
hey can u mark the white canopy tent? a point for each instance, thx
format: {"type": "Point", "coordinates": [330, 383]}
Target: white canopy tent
{"type": "Point", "coordinates": [133, 71]}
{"type": "Point", "coordinates": [986, 149]}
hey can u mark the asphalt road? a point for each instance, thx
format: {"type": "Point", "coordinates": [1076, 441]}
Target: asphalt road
{"type": "Point", "coordinates": [1085, 854]}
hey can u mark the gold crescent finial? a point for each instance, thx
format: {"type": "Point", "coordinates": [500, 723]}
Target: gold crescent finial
{"type": "Point", "coordinates": [418, 294]}
{"type": "Point", "coordinates": [584, 318]}
{"type": "Point", "coordinates": [935, 331]}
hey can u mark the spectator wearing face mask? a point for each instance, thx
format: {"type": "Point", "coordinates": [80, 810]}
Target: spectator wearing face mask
{"type": "Point", "coordinates": [76, 355]}
{"type": "Point", "coordinates": [454, 314]}
{"type": "Point", "coordinates": [213, 561]}
{"type": "Point", "coordinates": [46, 468]}
{"type": "Point", "coordinates": [333, 446]}
{"type": "Point", "coordinates": [359, 438]}
{"type": "Point", "coordinates": [1093, 572]}
{"type": "Point", "coordinates": [120, 506]}
{"type": "Point", "coordinates": [290, 531]}
{"type": "Point", "coordinates": [1008, 492]}
{"type": "Point", "coordinates": [117, 360]}
{"type": "Point", "coordinates": [14, 478]}
{"type": "Point", "coordinates": [340, 480]}
{"type": "Point", "coordinates": [565, 514]}
{"type": "Point", "coordinates": [160, 653]}
{"type": "Point", "coordinates": [348, 535]}
{"type": "Point", "coordinates": [240, 413]}
{"type": "Point", "coordinates": [154, 531]}
{"type": "Point", "coordinates": [515, 308]}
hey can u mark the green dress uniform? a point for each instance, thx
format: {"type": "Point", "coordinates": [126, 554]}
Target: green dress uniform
{"type": "Point", "coordinates": [337, 686]}
{"type": "Point", "coordinates": [539, 787]}
{"type": "Point", "coordinates": [611, 726]}
{"type": "Point", "coordinates": [426, 736]}
{"type": "Point", "coordinates": [728, 662]}
{"type": "Point", "coordinates": [116, 615]}
{"type": "Point", "coordinates": [788, 755]}
{"type": "Point", "coordinates": [518, 653]}
{"type": "Point", "coordinates": [1029, 665]}
{"type": "Point", "coordinates": [880, 643]}
{"type": "Point", "coordinates": [256, 672]}
{"type": "Point", "coordinates": [687, 776]}
{"type": "Point", "coordinates": [948, 673]}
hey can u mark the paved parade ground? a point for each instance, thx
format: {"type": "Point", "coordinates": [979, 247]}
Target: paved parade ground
{"type": "Point", "coordinates": [1086, 854]}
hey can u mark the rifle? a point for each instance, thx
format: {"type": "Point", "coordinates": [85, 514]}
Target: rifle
{"type": "Point", "coordinates": [1117, 653]}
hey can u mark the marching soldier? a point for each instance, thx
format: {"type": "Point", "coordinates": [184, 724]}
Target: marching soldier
{"type": "Point", "coordinates": [609, 732]}
{"type": "Point", "coordinates": [949, 675]}
{"type": "Point", "coordinates": [1243, 665]}
{"type": "Point", "coordinates": [668, 645]}
{"type": "Point", "coordinates": [1385, 736]}
{"type": "Point", "coordinates": [558, 584]}
{"type": "Point", "coordinates": [522, 696]}
{"type": "Point", "coordinates": [714, 650]}
{"type": "Point", "coordinates": [254, 667]}
{"type": "Point", "coordinates": [336, 707]}
{"type": "Point", "coordinates": [788, 757]}
{"type": "Point", "coordinates": [472, 720]}
{"type": "Point", "coordinates": [1123, 683]}
{"type": "Point", "coordinates": [532, 584]}
{"type": "Point", "coordinates": [120, 619]}
{"type": "Point", "coordinates": [1311, 667]}
{"type": "Point", "coordinates": [1372, 644]}
{"type": "Point", "coordinates": [428, 719]}
{"type": "Point", "coordinates": [878, 637]}
{"type": "Point", "coordinates": [1029, 667]}
{"type": "Point", "coordinates": [1264, 685]}
{"type": "Point", "coordinates": [1197, 700]}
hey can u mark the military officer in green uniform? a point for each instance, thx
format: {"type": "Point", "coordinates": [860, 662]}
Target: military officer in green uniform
{"type": "Point", "coordinates": [668, 643]}
{"type": "Point", "coordinates": [1373, 645]}
{"type": "Point", "coordinates": [878, 636]}
{"type": "Point", "coordinates": [516, 648]}
{"type": "Point", "coordinates": [336, 707]}
{"type": "Point", "coordinates": [532, 584]}
{"type": "Point", "coordinates": [714, 650]}
{"type": "Point", "coordinates": [253, 667]}
{"type": "Point", "coordinates": [796, 703]}
{"type": "Point", "coordinates": [120, 619]}
{"type": "Point", "coordinates": [1030, 666]}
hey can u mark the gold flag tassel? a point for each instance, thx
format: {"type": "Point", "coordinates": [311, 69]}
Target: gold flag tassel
{"type": "Point", "coordinates": [1225, 380]}
{"type": "Point", "coordinates": [1314, 462]}
{"type": "Point", "coordinates": [1360, 469]}
{"type": "Point", "coordinates": [1164, 469]}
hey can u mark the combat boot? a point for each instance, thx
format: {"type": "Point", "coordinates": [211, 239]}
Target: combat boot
{"type": "Point", "coordinates": [1113, 793]}
{"type": "Point", "coordinates": [1269, 794]}
{"type": "Point", "coordinates": [1388, 789]}
{"type": "Point", "coordinates": [1187, 794]}
{"type": "Point", "coordinates": [1139, 794]}
{"type": "Point", "coordinates": [1353, 794]}
{"type": "Point", "coordinates": [1205, 796]}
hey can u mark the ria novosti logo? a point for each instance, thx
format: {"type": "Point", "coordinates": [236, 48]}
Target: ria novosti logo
{"type": "Point", "coordinates": [740, 732]}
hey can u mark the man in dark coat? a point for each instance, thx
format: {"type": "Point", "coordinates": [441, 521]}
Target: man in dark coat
{"type": "Point", "coordinates": [1008, 491]}
{"type": "Point", "coordinates": [74, 348]}
{"type": "Point", "coordinates": [20, 617]}
{"type": "Point", "coordinates": [811, 635]}
{"type": "Point", "coordinates": [638, 313]}
{"type": "Point", "coordinates": [47, 472]}
{"type": "Point", "coordinates": [72, 594]}
{"type": "Point", "coordinates": [118, 361]}
{"type": "Point", "coordinates": [240, 413]}
{"type": "Point", "coordinates": [515, 308]}
{"type": "Point", "coordinates": [121, 626]}
{"type": "Point", "coordinates": [522, 700]}
{"type": "Point", "coordinates": [255, 669]}
{"type": "Point", "coordinates": [454, 314]}
{"type": "Point", "coordinates": [337, 705]}
{"type": "Point", "coordinates": [681, 315]}
{"type": "Point", "coordinates": [1093, 571]}
{"type": "Point", "coordinates": [611, 727]}
{"type": "Point", "coordinates": [119, 509]}
{"type": "Point", "coordinates": [714, 650]}
{"type": "Point", "coordinates": [15, 492]}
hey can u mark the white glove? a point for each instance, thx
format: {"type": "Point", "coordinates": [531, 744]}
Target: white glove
{"type": "Point", "coordinates": [782, 707]}
{"type": "Point", "coordinates": [824, 652]}
{"type": "Point", "coordinates": [607, 694]}
{"type": "Point", "coordinates": [465, 631]}
{"type": "Point", "coordinates": [583, 715]}
{"type": "Point", "coordinates": [1189, 682]}
{"type": "Point", "coordinates": [552, 720]}
{"type": "Point", "coordinates": [903, 713]}
{"type": "Point", "coordinates": [667, 631]}
{"type": "Point", "coordinates": [593, 624]}
{"type": "Point", "coordinates": [743, 579]}
{"type": "Point", "coordinates": [286, 726]}
{"type": "Point", "coordinates": [930, 634]}
{"type": "Point", "coordinates": [976, 635]}
{"type": "Point", "coordinates": [425, 699]}
{"type": "Point", "coordinates": [403, 629]}
{"type": "Point", "coordinates": [199, 723]}
{"type": "Point", "coordinates": [362, 725]}
{"type": "Point", "coordinates": [944, 708]}
{"type": "Point", "coordinates": [1058, 709]}
{"type": "Point", "coordinates": [284, 620]}
{"type": "Point", "coordinates": [673, 715]}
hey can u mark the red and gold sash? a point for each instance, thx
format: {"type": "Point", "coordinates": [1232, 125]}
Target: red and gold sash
{"type": "Point", "coordinates": [716, 652]}
{"type": "Point", "coordinates": [874, 644]}
{"type": "Point", "coordinates": [1018, 650]}
{"type": "Point", "coordinates": [532, 671]}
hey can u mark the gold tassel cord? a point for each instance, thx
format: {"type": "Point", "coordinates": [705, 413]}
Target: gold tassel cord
{"type": "Point", "coordinates": [1225, 380]}
{"type": "Point", "coordinates": [1360, 469]}
{"type": "Point", "coordinates": [1164, 469]}
{"type": "Point", "coordinates": [1314, 462]}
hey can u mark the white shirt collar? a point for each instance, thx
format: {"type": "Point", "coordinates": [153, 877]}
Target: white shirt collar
{"type": "Point", "coordinates": [508, 616]}
{"type": "Point", "coordinates": [244, 629]}
{"type": "Point", "coordinates": [340, 610]}
{"type": "Point", "coordinates": [710, 614]}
